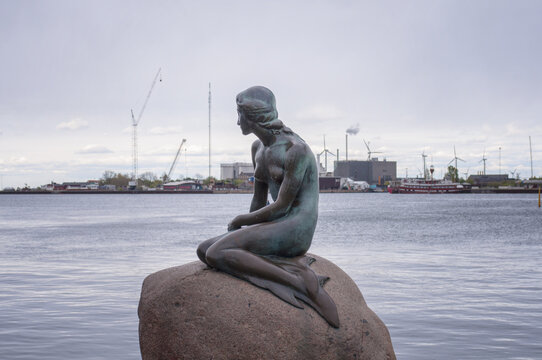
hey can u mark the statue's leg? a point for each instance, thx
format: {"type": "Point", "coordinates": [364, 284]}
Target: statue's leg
{"type": "Point", "coordinates": [238, 253]}
{"type": "Point", "coordinates": [202, 248]}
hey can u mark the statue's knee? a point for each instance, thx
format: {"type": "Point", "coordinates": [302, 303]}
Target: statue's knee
{"type": "Point", "coordinates": [201, 253]}
{"type": "Point", "coordinates": [212, 256]}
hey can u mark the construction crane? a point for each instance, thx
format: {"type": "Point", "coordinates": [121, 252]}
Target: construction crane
{"type": "Point", "coordinates": [168, 177]}
{"type": "Point", "coordinates": [135, 122]}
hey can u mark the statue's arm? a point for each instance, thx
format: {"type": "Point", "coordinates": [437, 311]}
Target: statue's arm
{"type": "Point", "coordinates": [294, 171]}
{"type": "Point", "coordinates": [259, 199]}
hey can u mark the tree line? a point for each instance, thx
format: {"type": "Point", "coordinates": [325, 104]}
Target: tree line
{"type": "Point", "coordinates": [148, 179]}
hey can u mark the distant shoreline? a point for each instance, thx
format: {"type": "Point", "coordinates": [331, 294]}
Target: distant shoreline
{"type": "Point", "coordinates": [101, 192]}
{"type": "Point", "coordinates": [106, 192]}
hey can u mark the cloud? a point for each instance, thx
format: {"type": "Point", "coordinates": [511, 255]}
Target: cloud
{"type": "Point", "coordinates": [72, 125]}
{"type": "Point", "coordinates": [353, 130]}
{"type": "Point", "coordinates": [18, 160]}
{"type": "Point", "coordinates": [513, 129]}
{"type": "Point", "coordinates": [320, 112]}
{"type": "Point", "coordinates": [94, 149]}
{"type": "Point", "coordinates": [159, 130]}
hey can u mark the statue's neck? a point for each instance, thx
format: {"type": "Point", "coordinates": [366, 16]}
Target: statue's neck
{"type": "Point", "coordinates": [267, 137]}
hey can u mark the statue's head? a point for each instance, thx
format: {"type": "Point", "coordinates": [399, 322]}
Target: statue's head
{"type": "Point", "coordinates": [257, 106]}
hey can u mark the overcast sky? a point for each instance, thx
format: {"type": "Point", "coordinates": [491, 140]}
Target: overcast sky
{"type": "Point", "coordinates": [415, 75]}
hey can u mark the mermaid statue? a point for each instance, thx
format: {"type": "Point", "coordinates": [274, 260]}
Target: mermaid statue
{"type": "Point", "coordinates": [267, 246]}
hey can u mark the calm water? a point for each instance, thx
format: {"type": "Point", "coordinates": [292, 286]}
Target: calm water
{"type": "Point", "coordinates": [452, 276]}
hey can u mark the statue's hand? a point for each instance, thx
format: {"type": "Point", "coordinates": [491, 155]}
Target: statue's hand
{"type": "Point", "coordinates": [235, 224]}
{"type": "Point", "coordinates": [232, 227]}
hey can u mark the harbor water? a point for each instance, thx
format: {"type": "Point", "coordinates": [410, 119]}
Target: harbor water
{"type": "Point", "coordinates": [452, 276]}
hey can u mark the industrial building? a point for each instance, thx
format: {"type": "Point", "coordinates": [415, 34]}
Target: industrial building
{"type": "Point", "coordinates": [329, 183]}
{"type": "Point", "coordinates": [372, 171]}
{"type": "Point", "coordinates": [73, 186]}
{"type": "Point", "coordinates": [484, 180]}
{"type": "Point", "coordinates": [182, 186]}
{"type": "Point", "coordinates": [236, 170]}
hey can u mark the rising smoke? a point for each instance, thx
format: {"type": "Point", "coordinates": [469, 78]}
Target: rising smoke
{"type": "Point", "coordinates": [353, 130]}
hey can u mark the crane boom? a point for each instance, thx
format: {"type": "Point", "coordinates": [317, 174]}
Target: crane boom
{"type": "Point", "coordinates": [136, 122]}
{"type": "Point", "coordinates": [175, 160]}
{"type": "Point", "coordinates": [133, 183]}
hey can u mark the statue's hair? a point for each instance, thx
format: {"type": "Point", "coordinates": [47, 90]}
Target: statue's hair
{"type": "Point", "coordinates": [258, 103]}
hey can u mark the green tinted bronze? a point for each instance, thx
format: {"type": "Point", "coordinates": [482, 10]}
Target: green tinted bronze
{"type": "Point", "coordinates": [267, 245]}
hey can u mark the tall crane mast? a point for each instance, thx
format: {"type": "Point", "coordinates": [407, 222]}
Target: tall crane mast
{"type": "Point", "coordinates": [175, 161]}
{"type": "Point", "coordinates": [135, 123]}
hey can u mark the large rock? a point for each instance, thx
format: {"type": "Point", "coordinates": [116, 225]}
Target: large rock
{"type": "Point", "coordinates": [194, 312]}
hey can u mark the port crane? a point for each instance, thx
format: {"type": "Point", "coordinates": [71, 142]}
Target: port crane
{"type": "Point", "coordinates": [135, 123]}
{"type": "Point", "coordinates": [168, 178]}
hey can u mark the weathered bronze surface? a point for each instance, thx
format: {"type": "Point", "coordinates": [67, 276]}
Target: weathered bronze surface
{"type": "Point", "coordinates": [266, 247]}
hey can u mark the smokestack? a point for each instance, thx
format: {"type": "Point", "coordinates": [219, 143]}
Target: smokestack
{"type": "Point", "coordinates": [346, 146]}
{"type": "Point", "coordinates": [352, 130]}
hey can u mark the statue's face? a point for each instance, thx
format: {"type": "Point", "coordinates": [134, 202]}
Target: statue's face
{"type": "Point", "coordinates": [243, 122]}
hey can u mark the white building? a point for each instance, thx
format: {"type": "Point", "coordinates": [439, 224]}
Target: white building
{"type": "Point", "coordinates": [234, 170]}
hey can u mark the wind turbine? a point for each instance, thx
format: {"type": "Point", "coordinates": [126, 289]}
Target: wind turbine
{"type": "Point", "coordinates": [455, 159]}
{"type": "Point", "coordinates": [369, 152]}
{"type": "Point", "coordinates": [325, 152]}
{"type": "Point", "coordinates": [424, 167]}
{"type": "Point", "coordinates": [484, 160]}
{"type": "Point", "coordinates": [419, 172]}
{"type": "Point", "coordinates": [135, 123]}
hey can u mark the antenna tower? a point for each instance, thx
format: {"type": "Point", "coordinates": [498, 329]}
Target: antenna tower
{"type": "Point", "coordinates": [531, 151]}
{"type": "Point", "coordinates": [499, 160]}
{"type": "Point", "coordinates": [209, 131]}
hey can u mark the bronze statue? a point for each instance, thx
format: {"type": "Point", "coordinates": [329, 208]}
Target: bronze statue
{"type": "Point", "coordinates": [266, 247]}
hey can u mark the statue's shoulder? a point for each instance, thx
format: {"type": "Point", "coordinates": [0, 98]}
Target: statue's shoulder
{"type": "Point", "coordinates": [299, 145]}
{"type": "Point", "coordinates": [255, 146]}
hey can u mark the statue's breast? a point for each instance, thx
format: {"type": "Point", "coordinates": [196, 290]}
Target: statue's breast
{"type": "Point", "coordinates": [270, 165]}
{"type": "Point", "coordinates": [276, 173]}
{"type": "Point", "coordinates": [260, 173]}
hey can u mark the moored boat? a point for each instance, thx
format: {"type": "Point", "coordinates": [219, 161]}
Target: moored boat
{"type": "Point", "coordinates": [425, 186]}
